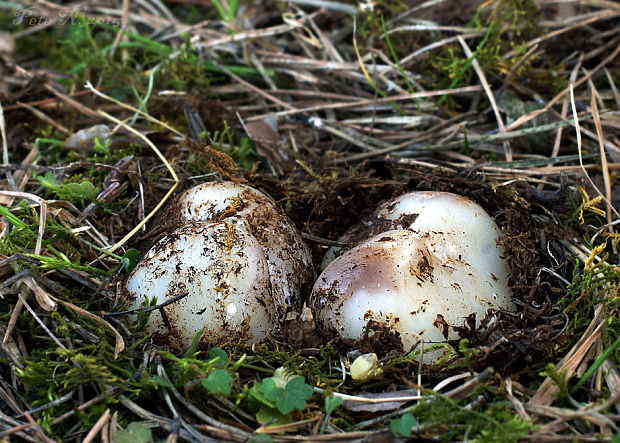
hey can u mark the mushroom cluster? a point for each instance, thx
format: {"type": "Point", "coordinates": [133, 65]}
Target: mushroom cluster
{"type": "Point", "coordinates": [420, 266]}
{"type": "Point", "coordinates": [237, 255]}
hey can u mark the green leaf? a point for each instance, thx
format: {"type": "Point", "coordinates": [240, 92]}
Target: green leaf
{"type": "Point", "coordinates": [48, 180]}
{"type": "Point", "coordinates": [191, 351]}
{"type": "Point", "coordinates": [71, 191]}
{"type": "Point", "coordinates": [467, 64]}
{"type": "Point", "coordinates": [134, 433]}
{"type": "Point", "coordinates": [292, 397]}
{"type": "Point", "coordinates": [130, 259]}
{"type": "Point", "coordinates": [78, 191]}
{"type": "Point", "coordinates": [14, 220]}
{"type": "Point", "coordinates": [232, 9]}
{"type": "Point", "coordinates": [386, 36]}
{"type": "Point", "coordinates": [220, 10]}
{"type": "Point", "coordinates": [402, 426]}
{"type": "Point", "coordinates": [267, 387]}
{"type": "Point", "coordinates": [257, 394]}
{"type": "Point", "coordinates": [220, 354]}
{"type": "Point", "coordinates": [218, 382]}
{"type": "Point", "coordinates": [272, 416]}
{"type": "Point", "coordinates": [559, 378]}
{"type": "Point", "coordinates": [102, 149]}
{"type": "Point", "coordinates": [332, 403]}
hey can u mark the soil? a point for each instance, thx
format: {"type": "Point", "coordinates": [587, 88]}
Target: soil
{"type": "Point", "coordinates": [328, 208]}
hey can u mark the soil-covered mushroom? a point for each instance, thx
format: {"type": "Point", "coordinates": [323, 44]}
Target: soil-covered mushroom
{"type": "Point", "coordinates": [238, 255]}
{"type": "Point", "coordinates": [432, 260]}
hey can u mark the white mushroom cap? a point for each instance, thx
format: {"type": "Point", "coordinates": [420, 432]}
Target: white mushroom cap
{"type": "Point", "coordinates": [288, 258]}
{"type": "Point", "coordinates": [215, 201]}
{"type": "Point", "coordinates": [237, 254]}
{"type": "Point", "coordinates": [450, 224]}
{"type": "Point", "coordinates": [397, 281]}
{"type": "Point", "coordinates": [467, 229]}
{"type": "Point", "coordinates": [224, 269]}
{"type": "Point", "coordinates": [425, 261]}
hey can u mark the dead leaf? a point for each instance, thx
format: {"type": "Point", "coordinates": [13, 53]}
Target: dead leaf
{"type": "Point", "coordinates": [269, 144]}
{"type": "Point", "coordinates": [43, 297]}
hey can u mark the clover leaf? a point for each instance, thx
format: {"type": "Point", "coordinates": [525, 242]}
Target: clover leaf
{"type": "Point", "coordinates": [218, 382]}
{"type": "Point", "coordinates": [287, 399]}
{"type": "Point", "coordinates": [402, 426]}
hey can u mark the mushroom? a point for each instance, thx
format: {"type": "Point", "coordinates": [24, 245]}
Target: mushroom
{"type": "Point", "coordinates": [239, 257]}
{"type": "Point", "coordinates": [288, 257]}
{"type": "Point", "coordinates": [423, 264]}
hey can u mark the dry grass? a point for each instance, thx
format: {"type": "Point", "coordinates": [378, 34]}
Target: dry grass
{"type": "Point", "coordinates": [521, 114]}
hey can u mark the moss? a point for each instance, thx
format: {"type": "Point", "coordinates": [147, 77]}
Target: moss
{"type": "Point", "coordinates": [450, 420]}
{"type": "Point", "coordinates": [510, 24]}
